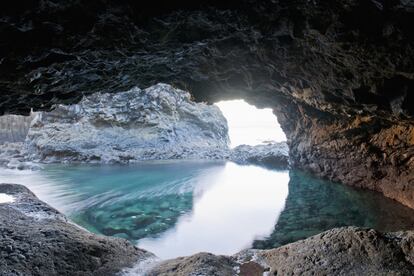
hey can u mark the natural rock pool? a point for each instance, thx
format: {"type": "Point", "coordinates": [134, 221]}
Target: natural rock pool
{"type": "Point", "coordinates": [177, 208]}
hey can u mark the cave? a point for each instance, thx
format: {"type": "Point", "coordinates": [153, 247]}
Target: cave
{"type": "Point", "coordinates": [337, 74]}
{"type": "Point", "coordinates": [249, 125]}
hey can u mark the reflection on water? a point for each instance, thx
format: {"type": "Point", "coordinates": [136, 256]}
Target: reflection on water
{"type": "Point", "coordinates": [179, 208]}
{"type": "Point", "coordinates": [170, 208]}
{"type": "Point", "coordinates": [316, 205]}
{"type": "Point", "coordinates": [233, 207]}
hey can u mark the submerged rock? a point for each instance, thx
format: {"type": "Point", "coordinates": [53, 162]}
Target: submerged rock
{"type": "Point", "coordinates": [160, 122]}
{"type": "Point", "coordinates": [36, 239]}
{"type": "Point", "coordinates": [274, 155]}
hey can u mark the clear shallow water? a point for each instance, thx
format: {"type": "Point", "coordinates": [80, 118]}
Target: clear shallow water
{"type": "Point", "coordinates": [179, 208]}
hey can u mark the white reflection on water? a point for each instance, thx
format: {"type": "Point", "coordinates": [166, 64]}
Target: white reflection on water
{"type": "Point", "coordinates": [232, 205]}
{"type": "Point", "coordinates": [239, 204]}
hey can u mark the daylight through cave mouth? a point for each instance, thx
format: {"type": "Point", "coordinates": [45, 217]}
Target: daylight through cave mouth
{"type": "Point", "coordinates": [249, 125]}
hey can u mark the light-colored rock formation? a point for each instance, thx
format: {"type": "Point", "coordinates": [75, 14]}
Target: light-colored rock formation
{"type": "Point", "coordinates": [14, 128]}
{"type": "Point", "coordinates": [273, 155]}
{"type": "Point", "coordinates": [160, 122]}
{"type": "Point", "coordinates": [12, 157]}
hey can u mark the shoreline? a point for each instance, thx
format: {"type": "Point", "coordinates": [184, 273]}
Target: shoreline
{"type": "Point", "coordinates": [339, 250]}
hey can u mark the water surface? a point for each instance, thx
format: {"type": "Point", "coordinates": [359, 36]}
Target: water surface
{"type": "Point", "coordinates": [177, 208]}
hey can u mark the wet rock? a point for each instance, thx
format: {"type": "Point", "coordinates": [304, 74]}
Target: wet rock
{"type": "Point", "coordinates": [273, 155]}
{"type": "Point", "coordinates": [361, 151]}
{"type": "Point", "coordinates": [340, 251]}
{"type": "Point", "coordinates": [36, 239]}
{"type": "Point", "coordinates": [160, 122]}
{"type": "Point", "coordinates": [344, 251]}
{"type": "Point", "coordinates": [198, 264]}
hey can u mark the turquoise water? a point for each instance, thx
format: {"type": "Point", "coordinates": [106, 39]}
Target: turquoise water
{"type": "Point", "coordinates": [179, 208]}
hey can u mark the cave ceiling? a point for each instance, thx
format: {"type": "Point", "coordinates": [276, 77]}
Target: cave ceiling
{"type": "Point", "coordinates": [340, 58]}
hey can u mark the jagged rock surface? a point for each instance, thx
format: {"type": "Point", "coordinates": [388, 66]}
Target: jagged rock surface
{"type": "Point", "coordinates": [345, 251]}
{"type": "Point", "coordinates": [12, 157]}
{"type": "Point", "coordinates": [274, 155]}
{"type": "Point", "coordinates": [37, 240]}
{"type": "Point", "coordinates": [340, 251]}
{"type": "Point", "coordinates": [160, 122]}
{"type": "Point", "coordinates": [339, 74]}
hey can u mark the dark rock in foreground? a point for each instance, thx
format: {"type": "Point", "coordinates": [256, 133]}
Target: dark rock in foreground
{"type": "Point", "coordinates": [35, 239]}
{"type": "Point", "coordinates": [340, 251]}
{"type": "Point", "coordinates": [275, 155]}
{"type": "Point", "coordinates": [198, 264]}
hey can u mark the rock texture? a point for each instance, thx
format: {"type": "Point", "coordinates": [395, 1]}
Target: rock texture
{"type": "Point", "coordinates": [35, 239]}
{"type": "Point", "coordinates": [362, 151]}
{"type": "Point", "coordinates": [160, 122]}
{"type": "Point", "coordinates": [198, 264]}
{"type": "Point", "coordinates": [344, 251]}
{"type": "Point", "coordinates": [339, 74]}
{"type": "Point", "coordinates": [274, 155]}
{"type": "Point", "coordinates": [12, 157]}
{"type": "Point", "coordinates": [14, 128]}
{"type": "Point", "coordinates": [341, 251]}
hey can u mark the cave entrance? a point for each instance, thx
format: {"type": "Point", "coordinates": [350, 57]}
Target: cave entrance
{"type": "Point", "coordinates": [249, 125]}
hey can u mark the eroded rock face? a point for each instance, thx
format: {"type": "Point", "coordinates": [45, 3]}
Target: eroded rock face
{"type": "Point", "coordinates": [273, 155]}
{"type": "Point", "coordinates": [339, 74]}
{"type": "Point", "coordinates": [36, 239]}
{"type": "Point", "coordinates": [362, 151]}
{"type": "Point", "coordinates": [160, 122]}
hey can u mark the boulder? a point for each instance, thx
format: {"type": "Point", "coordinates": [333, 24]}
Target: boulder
{"type": "Point", "coordinates": [272, 155]}
{"type": "Point", "coordinates": [36, 239]}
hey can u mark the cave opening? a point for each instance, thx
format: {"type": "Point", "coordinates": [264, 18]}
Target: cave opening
{"type": "Point", "coordinates": [249, 125]}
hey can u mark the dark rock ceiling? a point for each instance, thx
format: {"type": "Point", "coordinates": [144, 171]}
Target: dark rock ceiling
{"type": "Point", "coordinates": [339, 56]}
